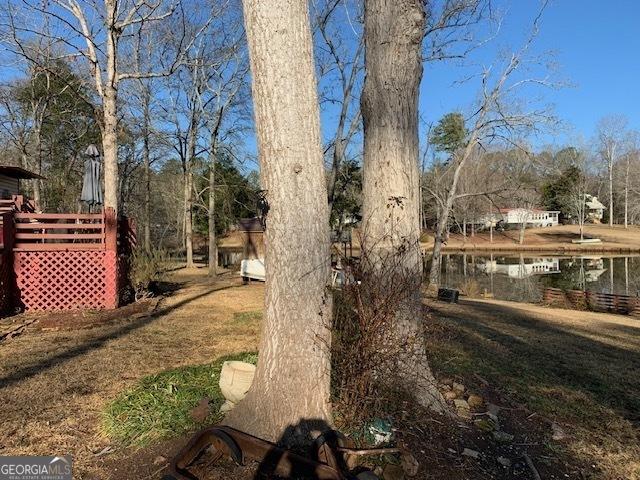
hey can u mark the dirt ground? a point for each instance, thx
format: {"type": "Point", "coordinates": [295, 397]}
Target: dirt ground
{"type": "Point", "coordinates": [541, 366]}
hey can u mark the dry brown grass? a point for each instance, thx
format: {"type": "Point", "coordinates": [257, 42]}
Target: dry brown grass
{"type": "Point", "coordinates": [572, 368]}
{"type": "Point", "coordinates": [55, 384]}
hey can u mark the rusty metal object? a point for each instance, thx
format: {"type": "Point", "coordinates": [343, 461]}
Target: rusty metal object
{"type": "Point", "coordinates": [330, 464]}
{"type": "Point", "coordinates": [240, 446]}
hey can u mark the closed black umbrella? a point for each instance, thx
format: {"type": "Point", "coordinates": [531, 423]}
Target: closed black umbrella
{"type": "Point", "coordinates": [91, 185]}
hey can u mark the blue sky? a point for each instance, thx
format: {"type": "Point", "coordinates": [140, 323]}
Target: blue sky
{"type": "Point", "coordinates": [597, 48]}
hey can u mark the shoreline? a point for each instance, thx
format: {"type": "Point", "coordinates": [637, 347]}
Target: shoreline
{"type": "Point", "coordinates": [559, 249]}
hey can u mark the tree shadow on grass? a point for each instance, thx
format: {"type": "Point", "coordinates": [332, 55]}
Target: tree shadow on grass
{"type": "Point", "coordinates": [541, 355]}
{"type": "Point", "coordinates": [97, 342]}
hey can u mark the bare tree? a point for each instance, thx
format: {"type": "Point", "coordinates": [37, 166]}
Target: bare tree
{"type": "Point", "coordinates": [611, 132]}
{"type": "Point", "coordinates": [226, 85]}
{"type": "Point", "coordinates": [100, 34]}
{"type": "Point", "coordinates": [631, 155]}
{"type": "Point", "coordinates": [394, 32]}
{"type": "Point", "coordinates": [520, 175]}
{"type": "Point", "coordinates": [146, 95]}
{"type": "Point", "coordinates": [291, 385]}
{"type": "Point", "coordinates": [575, 200]}
{"type": "Point", "coordinates": [500, 116]}
{"type": "Point", "coordinates": [188, 101]}
{"type": "Point", "coordinates": [142, 95]}
{"type": "Point", "coordinates": [339, 58]}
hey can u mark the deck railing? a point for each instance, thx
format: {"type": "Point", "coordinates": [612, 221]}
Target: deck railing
{"type": "Point", "coordinates": [64, 261]}
{"type": "Point", "coordinates": [61, 231]}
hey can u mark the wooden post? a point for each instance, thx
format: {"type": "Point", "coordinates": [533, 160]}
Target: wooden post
{"type": "Point", "coordinates": [9, 297]}
{"type": "Point", "coordinates": [110, 230]}
{"type": "Point", "coordinates": [8, 231]}
{"type": "Point", "coordinates": [111, 258]}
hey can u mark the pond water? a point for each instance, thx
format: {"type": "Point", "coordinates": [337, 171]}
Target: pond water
{"type": "Point", "coordinates": [523, 277]}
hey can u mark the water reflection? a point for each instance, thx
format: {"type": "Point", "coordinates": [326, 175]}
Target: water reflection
{"type": "Point", "coordinates": [523, 277]}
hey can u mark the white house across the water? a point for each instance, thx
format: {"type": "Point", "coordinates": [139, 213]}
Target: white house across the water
{"type": "Point", "coordinates": [595, 208]}
{"type": "Point", "coordinates": [523, 268]}
{"type": "Point", "coordinates": [532, 217]}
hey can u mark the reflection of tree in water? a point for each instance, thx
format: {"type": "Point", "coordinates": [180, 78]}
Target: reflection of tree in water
{"type": "Point", "coordinates": [576, 273]}
{"type": "Point", "coordinates": [571, 277]}
{"type": "Point", "coordinates": [633, 269]}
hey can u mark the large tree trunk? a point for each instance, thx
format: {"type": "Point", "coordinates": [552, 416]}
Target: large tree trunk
{"type": "Point", "coordinates": [213, 246]}
{"type": "Point", "coordinates": [291, 386]}
{"type": "Point", "coordinates": [389, 105]}
{"type": "Point", "coordinates": [146, 152]}
{"type": "Point", "coordinates": [188, 190]}
{"type": "Point", "coordinates": [110, 148]}
{"type": "Point", "coordinates": [110, 113]}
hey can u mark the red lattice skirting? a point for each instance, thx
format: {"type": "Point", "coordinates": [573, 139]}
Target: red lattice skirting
{"type": "Point", "coordinates": [66, 280]}
{"type": "Point", "coordinates": [6, 286]}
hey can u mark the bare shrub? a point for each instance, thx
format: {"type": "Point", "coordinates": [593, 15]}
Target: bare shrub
{"type": "Point", "coordinates": [146, 269]}
{"type": "Point", "coordinates": [366, 347]}
{"type": "Point", "coordinates": [471, 288]}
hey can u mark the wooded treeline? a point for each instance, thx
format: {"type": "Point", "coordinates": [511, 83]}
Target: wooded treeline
{"type": "Point", "coordinates": [165, 85]}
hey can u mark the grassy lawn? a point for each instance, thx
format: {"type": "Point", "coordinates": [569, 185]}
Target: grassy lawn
{"type": "Point", "coordinates": [85, 389]}
{"type": "Point", "coordinates": [135, 380]}
{"type": "Point", "coordinates": [560, 368]}
{"type": "Point", "coordinates": [572, 369]}
{"type": "Point", "coordinates": [159, 406]}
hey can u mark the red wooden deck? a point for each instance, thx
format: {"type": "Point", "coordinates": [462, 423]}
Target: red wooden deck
{"type": "Point", "coordinates": [62, 261]}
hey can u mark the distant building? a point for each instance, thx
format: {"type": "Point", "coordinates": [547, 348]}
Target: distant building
{"type": "Point", "coordinates": [10, 177]}
{"type": "Point", "coordinates": [595, 209]}
{"type": "Point", "coordinates": [253, 251]}
{"type": "Point", "coordinates": [532, 217]}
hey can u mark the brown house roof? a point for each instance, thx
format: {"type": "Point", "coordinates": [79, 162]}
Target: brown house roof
{"type": "Point", "coordinates": [250, 225]}
{"type": "Point", "coordinates": [18, 172]}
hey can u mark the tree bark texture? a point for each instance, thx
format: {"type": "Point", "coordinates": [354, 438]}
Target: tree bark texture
{"type": "Point", "coordinates": [188, 190]}
{"type": "Point", "coordinates": [110, 112]}
{"type": "Point", "coordinates": [389, 103]}
{"type": "Point", "coordinates": [146, 152]}
{"type": "Point", "coordinates": [213, 246]}
{"type": "Point", "coordinates": [290, 394]}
